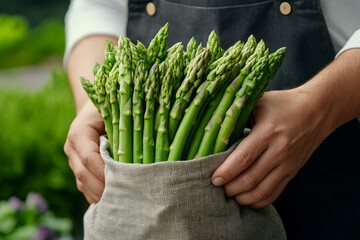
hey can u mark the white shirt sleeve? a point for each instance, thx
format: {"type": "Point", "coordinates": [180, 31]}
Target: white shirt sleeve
{"type": "Point", "coordinates": [353, 42]}
{"type": "Point", "coordinates": [343, 22]}
{"type": "Point", "coordinates": [94, 17]}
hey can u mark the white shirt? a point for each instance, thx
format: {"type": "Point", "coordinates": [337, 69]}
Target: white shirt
{"type": "Point", "coordinates": [109, 17]}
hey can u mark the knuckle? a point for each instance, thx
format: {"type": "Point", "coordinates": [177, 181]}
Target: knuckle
{"type": "Point", "coordinates": [85, 158]}
{"type": "Point", "coordinates": [80, 176]}
{"type": "Point", "coordinates": [66, 148]}
{"type": "Point", "coordinates": [80, 186]}
{"type": "Point", "coordinates": [244, 158]}
{"type": "Point", "coordinates": [248, 181]}
{"type": "Point", "coordinates": [260, 194]}
{"type": "Point", "coordinates": [238, 200]}
{"type": "Point", "coordinates": [286, 144]}
{"type": "Point", "coordinates": [268, 131]}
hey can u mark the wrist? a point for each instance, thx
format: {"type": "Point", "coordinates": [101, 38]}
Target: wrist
{"type": "Point", "coordinates": [333, 93]}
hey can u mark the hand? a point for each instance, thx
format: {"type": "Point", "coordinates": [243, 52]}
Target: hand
{"type": "Point", "coordinates": [287, 130]}
{"type": "Point", "coordinates": [82, 149]}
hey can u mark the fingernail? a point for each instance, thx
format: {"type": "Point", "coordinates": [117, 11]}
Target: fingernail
{"type": "Point", "coordinates": [218, 181]}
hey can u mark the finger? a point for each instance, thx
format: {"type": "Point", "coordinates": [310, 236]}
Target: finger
{"type": "Point", "coordinates": [273, 196]}
{"type": "Point", "coordinates": [240, 159]}
{"type": "Point", "coordinates": [89, 196]}
{"type": "Point", "coordinates": [87, 182]}
{"type": "Point", "coordinates": [87, 148]}
{"type": "Point", "coordinates": [95, 164]}
{"type": "Point", "coordinates": [251, 177]}
{"type": "Point", "coordinates": [264, 189]}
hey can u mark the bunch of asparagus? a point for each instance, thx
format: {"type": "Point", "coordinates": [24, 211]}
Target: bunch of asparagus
{"type": "Point", "coordinates": [178, 103]}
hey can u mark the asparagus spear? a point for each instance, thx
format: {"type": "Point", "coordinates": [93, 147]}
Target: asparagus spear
{"type": "Point", "coordinates": [211, 130]}
{"type": "Point", "coordinates": [252, 82]}
{"type": "Point", "coordinates": [142, 51]}
{"type": "Point", "coordinates": [90, 91]}
{"type": "Point", "coordinates": [151, 92]}
{"type": "Point", "coordinates": [204, 93]}
{"type": "Point", "coordinates": [112, 91]}
{"type": "Point", "coordinates": [171, 80]}
{"type": "Point", "coordinates": [109, 57]}
{"type": "Point", "coordinates": [275, 60]}
{"type": "Point", "coordinates": [125, 92]}
{"type": "Point", "coordinates": [197, 136]}
{"type": "Point", "coordinates": [184, 94]}
{"type": "Point", "coordinates": [191, 48]}
{"type": "Point", "coordinates": [213, 44]}
{"type": "Point", "coordinates": [176, 60]}
{"type": "Point", "coordinates": [221, 60]}
{"type": "Point", "coordinates": [140, 77]}
{"type": "Point", "coordinates": [158, 46]}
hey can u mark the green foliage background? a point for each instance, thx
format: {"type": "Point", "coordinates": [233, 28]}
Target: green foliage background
{"type": "Point", "coordinates": [34, 124]}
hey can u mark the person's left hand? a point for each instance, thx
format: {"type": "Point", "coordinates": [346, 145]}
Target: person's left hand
{"type": "Point", "coordinates": [288, 127]}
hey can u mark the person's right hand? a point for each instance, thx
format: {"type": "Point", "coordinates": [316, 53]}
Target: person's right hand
{"type": "Point", "coordinates": [82, 149]}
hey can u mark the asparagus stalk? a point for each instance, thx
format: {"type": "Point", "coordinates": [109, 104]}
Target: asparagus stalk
{"type": "Point", "coordinates": [213, 44]}
{"type": "Point", "coordinates": [151, 92]}
{"type": "Point", "coordinates": [190, 54]}
{"type": "Point", "coordinates": [90, 91]}
{"type": "Point", "coordinates": [176, 58]}
{"type": "Point", "coordinates": [275, 60]}
{"type": "Point", "coordinates": [253, 81]}
{"type": "Point", "coordinates": [158, 46]}
{"type": "Point", "coordinates": [184, 94]}
{"type": "Point", "coordinates": [171, 80]}
{"type": "Point", "coordinates": [221, 60]}
{"type": "Point", "coordinates": [109, 57]}
{"type": "Point", "coordinates": [212, 129]}
{"type": "Point", "coordinates": [140, 77]}
{"type": "Point", "coordinates": [197, 136]}
{"type": "Point", "coordinates": [112, 91]}
{"type": "Point", "coordinates": [204, 93]}
{"type": "Point", "coordinates": [125, 92]}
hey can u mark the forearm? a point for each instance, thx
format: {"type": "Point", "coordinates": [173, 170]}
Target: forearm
{"type": "Point", "coordinates": [336, 90]}
{"type": "Point", "coordinates": [80, 63]}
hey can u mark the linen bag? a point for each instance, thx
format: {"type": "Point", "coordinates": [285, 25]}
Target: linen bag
{"type": "Point", "coordinates": [173, 200]}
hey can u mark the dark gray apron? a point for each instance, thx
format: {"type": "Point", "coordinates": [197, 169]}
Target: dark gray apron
{"type": "Point", "coordinates": [326, 187]}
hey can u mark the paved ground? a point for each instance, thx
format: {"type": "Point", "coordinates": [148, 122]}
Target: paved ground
{"type": "Point", "coordinates": [28, 77]}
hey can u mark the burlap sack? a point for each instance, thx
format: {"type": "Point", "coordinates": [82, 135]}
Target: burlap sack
{"type": "Point", "coordinates": [173, 200]}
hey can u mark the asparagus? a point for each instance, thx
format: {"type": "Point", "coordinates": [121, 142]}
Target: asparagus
{"type": "Point", "coordinates": [191, 48]}
{"type": "Point", "coordinates": [97, 92]}
{"type": "Point", "coordinates": [176, 58]}
{"type": "Point", "coordinates": [275, 60]}
{"type": "Point", "coordinates": [206, 91]}
{"type": "Point", "coordinates": [220, 61]}
{"type": "Point", "coordinates": [158, 46]}
{"type": "Point", "coordinates": [163, 66]}
{"type": "Point", "coordinates": [213, 44]}
{"type": "Point", "coordinates": [192, 80]}
{"type": "Point", "coordinates": [90, 91]}
{"type": "Point", "coordinates": [171, 80]}
{"type": "Point", "coordinates": [109, 57]}
{"type": "Point", "coordinates": [151, 92]}
{"type": "Point", "coordinates": [140, 77]}
{"type": "Point", "coordinates": [211, 130]}
{"type": "Point", "coordinates": [142, 51]}
{"type": "Point", "coordinates": [125, 92]}
{"type": "Point", "coordinates": [197, 136]}
{"type": "Point", "coordinates": [252, 82]}
{"type": "Point", "coordinates": [112, 90]}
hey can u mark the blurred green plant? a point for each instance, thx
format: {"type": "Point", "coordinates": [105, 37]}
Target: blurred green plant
{"type": "Point", "coordinates": [14, 30]}
{"type": "Point", "coordinates": [31, 219]}
{"type": "Point", "coordinates": [33, 130]}
{"type": "Point", "coordinates": [23, 45]}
